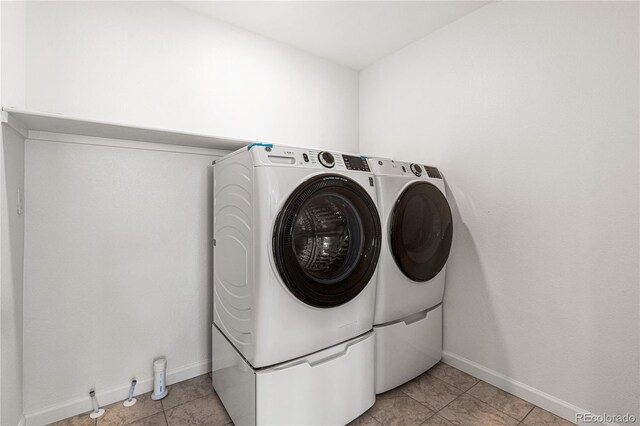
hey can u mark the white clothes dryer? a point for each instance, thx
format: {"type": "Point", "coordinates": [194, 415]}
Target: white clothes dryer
{"type": "Point", "coordinates": [417, 235]}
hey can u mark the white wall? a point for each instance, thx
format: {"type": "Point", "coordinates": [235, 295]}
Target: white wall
{"type": "Point", "coordinates": [531, 111]}
{"type": "Point", "coordinates": [158, 65]}
{"type": "Point", "coordinates": [117, 271]}
{"type": "Point", "coordinates": [13, 53]}
{"type": "Point", "coordinates": [11, 275]}
{"type": "Point", "coordinates": [117, 256]}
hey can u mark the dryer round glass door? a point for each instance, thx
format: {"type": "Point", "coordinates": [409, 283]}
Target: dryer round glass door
{"type": "Point", "coordinates": [326, 241]}
{"type": "Point", "coordinates": [421, 231]}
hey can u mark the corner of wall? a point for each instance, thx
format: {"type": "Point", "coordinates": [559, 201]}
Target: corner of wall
{"type": "Point", "coordinates": [11, 275]}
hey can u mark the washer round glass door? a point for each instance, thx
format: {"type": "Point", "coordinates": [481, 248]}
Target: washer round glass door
{"type": "Point", "coordinates": [421, 231]}
{"type": "Point", "coordinates": [326, 241]}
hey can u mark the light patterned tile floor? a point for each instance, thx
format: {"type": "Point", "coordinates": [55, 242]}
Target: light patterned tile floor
{"type": "Point", "coordinates": [443, 396]}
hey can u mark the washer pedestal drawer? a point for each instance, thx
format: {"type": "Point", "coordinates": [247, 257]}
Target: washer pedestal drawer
{"type": "Point", "coordinates": [330, 387]}
{"type": "Point", "coordinates": [407, 348]}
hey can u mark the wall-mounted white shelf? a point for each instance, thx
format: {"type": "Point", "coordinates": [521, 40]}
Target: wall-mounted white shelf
{"type": "Point", "coordinates": [27, 121]}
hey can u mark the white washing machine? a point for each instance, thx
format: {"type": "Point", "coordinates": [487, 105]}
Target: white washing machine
{"type": "Point", "coordinates": [297, 241]}
{"type": "Point", "coordinates": [417, 234]}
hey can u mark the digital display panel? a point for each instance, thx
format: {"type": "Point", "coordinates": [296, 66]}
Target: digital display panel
{"type": "Point", "coordinates": [355, 163]}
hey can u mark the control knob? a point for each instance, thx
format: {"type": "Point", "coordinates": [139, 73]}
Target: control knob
{"type": "Point", "coordinates": [416, 169]}
{"type": "Point", "coordinates": [326, 159]}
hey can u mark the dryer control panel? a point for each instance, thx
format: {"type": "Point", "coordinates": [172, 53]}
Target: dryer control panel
{"type": "Point", "coordinates": [386, 166]}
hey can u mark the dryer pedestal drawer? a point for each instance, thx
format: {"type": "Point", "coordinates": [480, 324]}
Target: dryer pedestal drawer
{"type": "Point", "coordinates": [407, 348]}
{"type": "Point", "coordinates": [329, 387]}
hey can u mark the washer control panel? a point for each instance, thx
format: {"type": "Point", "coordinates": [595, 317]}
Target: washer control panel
{"type": "Point", "coordinates": [352, 162]}
{"type": "Point", "coordinates": [267, 154]}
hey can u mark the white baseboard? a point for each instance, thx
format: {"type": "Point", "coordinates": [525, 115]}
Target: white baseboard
{"type": "Point", "coordinates": [80, 405]}
{"type": "Point", "coordinates": [541, 399]}
{"type": "Point", "coordinates": [23, 421]}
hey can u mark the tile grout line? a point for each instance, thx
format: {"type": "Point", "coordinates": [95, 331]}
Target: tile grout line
{"type": "Point", "coordinates": [428, 406]}
{"type": "Point", "coordinates": [186, 402]}
{"type": "Point", "coordinates": [428, 418]}
{"type": "Point", "coordinates": [481, 401]}
{"type": "Point", "coordinates": [454, 386]}
{"type": "Point", "coordinates": [164, 413]}
{"type": "Point", "coordinates": [532, 408]}
{"type": "Point", "coordinates": [450, 402]}
{"type": "Point", "coordinates": [475, 384]}
{"type": "Point", "coordinates": [379, 422]}
{"type": "Point", "coordinates": [499, 409]}
{"type": "Point", "coordinates": [145, 417]}
{"type": "Point", "coordinates": [520, 422]}
{"type": "Point", "coordinates": [435, 412]}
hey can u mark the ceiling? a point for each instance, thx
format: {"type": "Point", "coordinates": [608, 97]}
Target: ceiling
{"type": "Point", "coordinates": [352, 33]}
